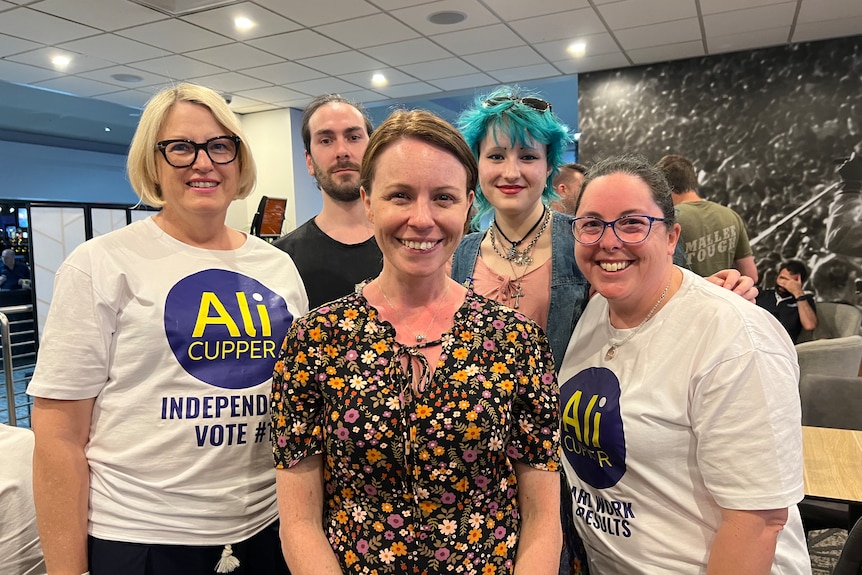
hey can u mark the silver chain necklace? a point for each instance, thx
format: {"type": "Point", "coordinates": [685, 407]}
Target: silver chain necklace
{"type": "Point", "coordinates": [519, 258]}
{"type": "Point", "coordinates": [612, 351]}
{"type": "Point", "coordinates": [420, 337]}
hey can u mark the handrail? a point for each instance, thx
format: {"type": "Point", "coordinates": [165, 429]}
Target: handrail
{"type": "Point", "coordinates": [7, 356]}
{"type": "Point", "coordinates": [768, 231]}
{"type": "Point", "coordinates": [7, 368]}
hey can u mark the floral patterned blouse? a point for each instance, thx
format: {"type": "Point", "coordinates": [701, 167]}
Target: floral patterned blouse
{"type": "Point", "coordinates": [421, 483]}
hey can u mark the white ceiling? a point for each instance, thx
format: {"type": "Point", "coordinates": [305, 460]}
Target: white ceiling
{"type": "Point", "coordinates": [302, 48]}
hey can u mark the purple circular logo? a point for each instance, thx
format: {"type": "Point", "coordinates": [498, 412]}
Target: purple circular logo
{"type": "Point", "coordinates": [226, 328]}
{"type": "Point", "coordinates": [593, 437]}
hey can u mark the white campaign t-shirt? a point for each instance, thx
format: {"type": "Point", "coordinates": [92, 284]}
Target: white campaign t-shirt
{"type": "Point", "coordinates": [177, 344]}
{"type": "Point", "coordinates": [699, 410]}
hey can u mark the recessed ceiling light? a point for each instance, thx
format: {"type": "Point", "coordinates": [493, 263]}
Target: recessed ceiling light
{"type": "Point", "coordinates": [379, 79]}
{"type": "Point", "coordinates": [447, 17]}
{"type": "Point", "coordinates": [243, 23]}
{"type": "Point", "coordinates": [107, 129]}
{"type": "Point", "coordinates": [577, 49]}
{"type": "Point", "coordinates": [61, 61]}
{"type": "Point", "coordinates": [130, 78]}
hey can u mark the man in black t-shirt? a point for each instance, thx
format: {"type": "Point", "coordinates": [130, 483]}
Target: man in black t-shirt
{"type": "Point", "coordinates": [788, 302]}
{"type": "Point", "coordinates": [336, 249]}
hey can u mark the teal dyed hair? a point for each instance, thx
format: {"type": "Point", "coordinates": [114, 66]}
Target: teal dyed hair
{"type": "Point", "coordinates": [521, 123]}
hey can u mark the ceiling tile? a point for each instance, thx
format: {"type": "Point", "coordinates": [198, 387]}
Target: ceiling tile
{"type": "Point", "coordinates": [747, 40]}
{"type": "Point", "coordinates": [408, 52]}
{"type": "Point", "coordinates": [235, 56]}
{"type": "Point", "coordinates": [178, 67]}
{"type": "Point", "coordinates": [342, 63]}
{"type": "Point", "coordinates": [6, 5]}
{"type": "Point", "coordinates": [717, 6]}
{"type": "Point", "coordinates": [328, 85]}
{"type": "Point", "coordinates": [10, 45]}
{"type": "Point", "coordinates": [590, 63]}
{"type": "Point", "coordinates": [751, 20]}
{"type": "Point", "coordinates": [221, 21]}
{"type": "Point", "coordinates": [524, 73]}
{"type": "Point", "coordinates": [78, 62]}
{"type": "Point", "coordinates": [283, 73]}
{"type": "Point", "coordinates": [439, 69]}
{"type": "Point", "coordinates": [395, 4]}
{"type": "Point", "coordinates": [632, 13]}
{"type": "Point", "coordinates": [667, 52]}
{"type": "Point", "coordinates": [362, 96]}
{"type": "Point", "coordinates": [832, 10]}
{"type": "Point", "coordinates": [131, 98]}
{"type": "Point", "coordinates": [509, 10]}
{"type": "Point", "coordinates": [464, 82]}
{"type": "Point", "coordinates": [393, 77]}
{"type": "Point", "coordinates": [298, 45]}
{"type": "Point", "coordinates": [147, 78]}
{"type": "Point", "coordinates": [77, 86]}
{"type": "Point", "coordinates": [505, 58]}
{"type": "Point", "coordinates": [252, 107]}
{"type": "Point", "coordinates": [39, 27]}
{"type": "Point", "coordinates": [408, 90]}
{"type": "Point", "coordinates": [114, 48]}
{"type": "Point", "coordinates": [660, 34]}
{"type": "Point", "coordinates": [494, 37]}
{"type": "Point", "coordinates": [368, 31]}
{"type": "Point", "coordinates": [319, 12]}
{"type": "Point", "coordinates": [566, 26]}
{"type": "Point", "coordinates": [597, 44]}
{"type": "Point", "coordinates": [827, 29]}
{"type": "Point", "coordinates": [270, 94]}
{"type": "Point", "coordinates": [417, 16]}
{"type": "Point", "coordinates": [231, 82]}
{"type": "Point", "coordinates": [175, 35]}
{"type": "Point", "coordinates": [107, 15]}
{"type": "Point", "coordinates": [23, 74]}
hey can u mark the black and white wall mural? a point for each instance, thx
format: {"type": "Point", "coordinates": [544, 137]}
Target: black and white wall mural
{"type": "Point", "coordinates": [767, 130]}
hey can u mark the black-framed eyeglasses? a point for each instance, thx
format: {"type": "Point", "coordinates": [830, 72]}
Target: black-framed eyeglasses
{"type": "Point", "coordinates": [534, 103]}
{"type": "Point", "coordinates": [184, 153]}
{"type": "Point", "coordinates": [633, 229]}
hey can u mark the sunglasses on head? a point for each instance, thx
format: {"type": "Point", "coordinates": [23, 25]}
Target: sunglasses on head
{"type": "Point", "coordinates": [534, 103]}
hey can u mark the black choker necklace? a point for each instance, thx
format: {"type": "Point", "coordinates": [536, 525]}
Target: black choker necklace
{"type": "Point", "coordinates": [512, 251]}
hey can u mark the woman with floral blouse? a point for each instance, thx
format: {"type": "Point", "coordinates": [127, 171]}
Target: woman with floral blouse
{"type": "Point", "coordinates": [415, 423]}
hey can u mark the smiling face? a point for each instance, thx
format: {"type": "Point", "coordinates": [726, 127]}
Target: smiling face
{"type": "Point", "coordinates": [338, 141]}
{"type": "Point", "coordinates": [626, 274]}
{"type": "Point", "coordinates": [512, 177]}
{"type": "Point", "coordinates": [204, 188]}
{"type": "Point", "coordinates": [418, 204]}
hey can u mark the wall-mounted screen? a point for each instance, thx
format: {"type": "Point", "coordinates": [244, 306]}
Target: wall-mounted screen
{"type": "Point", "coordinates": [23, 218]}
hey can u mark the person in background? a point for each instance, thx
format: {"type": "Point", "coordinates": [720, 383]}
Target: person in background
{"type": "Point", "coordinates": [12, 273]}
{"type": "Point", "coordinates": [788, 302]}
{"type": "Point", "coordinates": [714, 236]}
{"type": "Point", "coordinates": [567, 185]}
{"type": "Point", "coordinates": [843, 235]}
{"type": "Point", "coordinates": [336, 249]}
{"type": "Point", "coordinates": [414, 422]}
{"type": "Point", "coordinates": [151, 386]}
{"type": "Point", "coordinates": [20, 551]}
{"type": "Point", "coordinates": [683, 459]}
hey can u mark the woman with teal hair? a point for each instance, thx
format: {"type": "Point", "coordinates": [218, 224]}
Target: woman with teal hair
{"type": "Point", "coordinates": [526, 258]}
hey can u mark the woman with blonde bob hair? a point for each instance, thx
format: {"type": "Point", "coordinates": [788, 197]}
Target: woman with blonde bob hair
{"type": "Point", "coordinates": [415, 422]}
{"type": "Point", "coordinates": [149, 457]}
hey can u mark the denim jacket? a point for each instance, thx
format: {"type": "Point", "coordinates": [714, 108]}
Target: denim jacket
{"type": "Point", "coordinates": [569, 287]}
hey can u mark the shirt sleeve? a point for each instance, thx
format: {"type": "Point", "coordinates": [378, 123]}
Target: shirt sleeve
{"type": "Point", "coordinates": [296, 400]}
{"type": "Point", "coordinates": [535, 438]}
{"type": "Point", "coordinates": [746, 417]}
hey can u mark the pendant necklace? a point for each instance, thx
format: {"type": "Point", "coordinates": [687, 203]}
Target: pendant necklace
{"type": "Point", "coordinates": [420, 337]}
{"type": "Point", "coordinates": [612, 351]}
{"type": "Point", "coordinates": [520, 258]}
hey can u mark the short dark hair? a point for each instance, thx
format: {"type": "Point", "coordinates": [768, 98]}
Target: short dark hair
{"type": "Point", "coordinates": [576, 167]}
{"type": "Point", "coordinates": [639, 167]}
{"type": "Point", "coordinates": [795, 267]}
{"type": "Point", "coordinates": [319, 101]}
{"type": "Point", "coordinates": [679, 172]}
